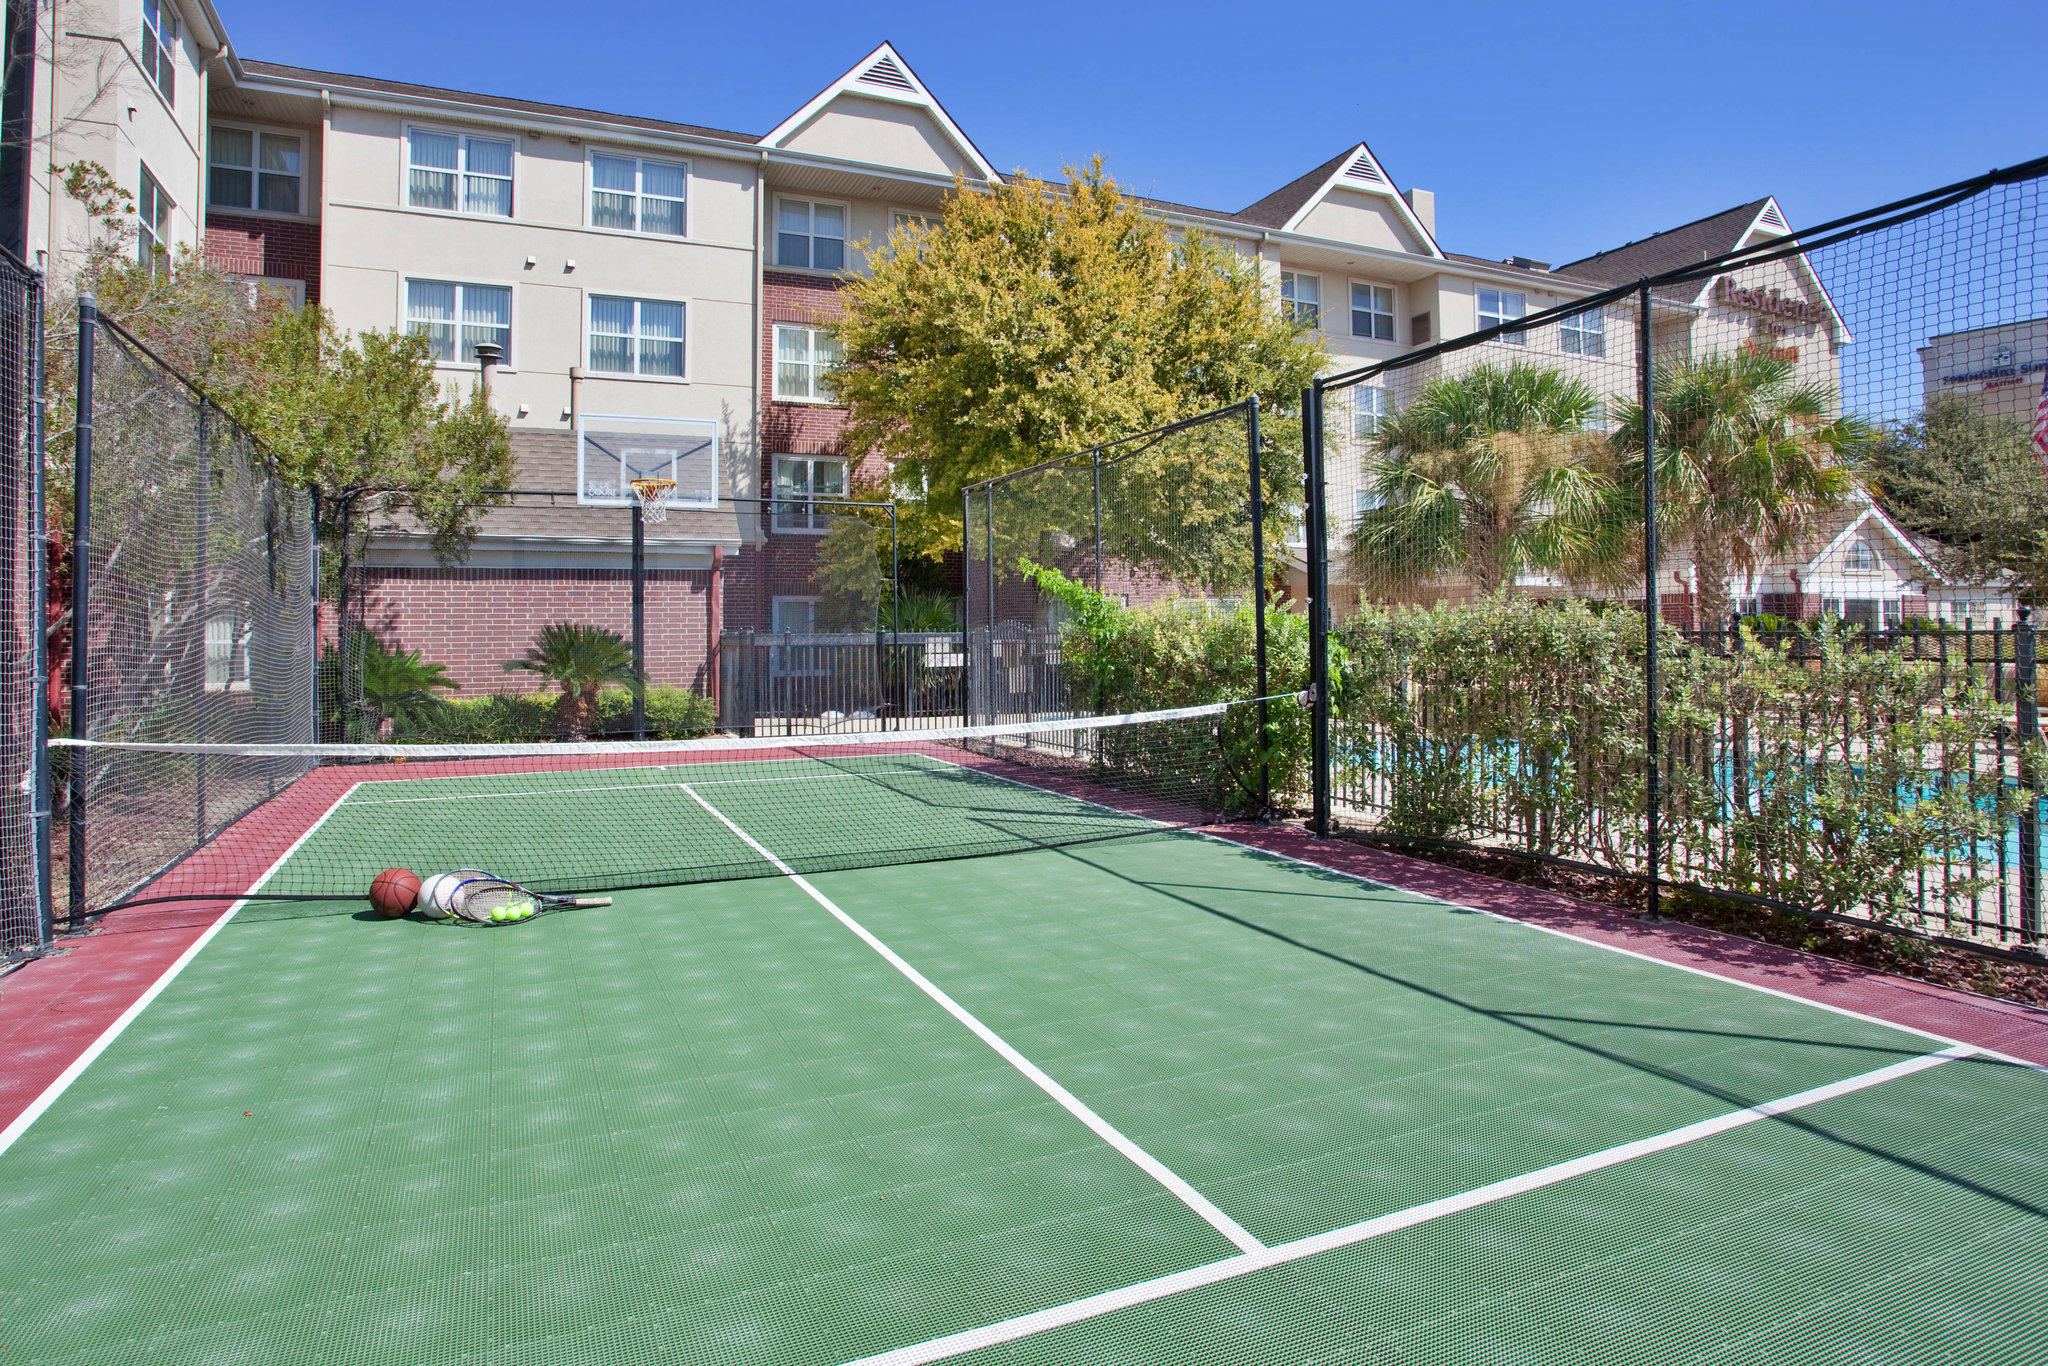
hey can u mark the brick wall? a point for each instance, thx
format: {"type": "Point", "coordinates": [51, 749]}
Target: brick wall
{"type": "Point", "coordinates": [474, 619]}
{"type": "Point", "coordinates": [284, 249]}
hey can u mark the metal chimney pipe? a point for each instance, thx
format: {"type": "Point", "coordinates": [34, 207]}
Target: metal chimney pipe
{"type": "Point", "coordinates": [488, 354]}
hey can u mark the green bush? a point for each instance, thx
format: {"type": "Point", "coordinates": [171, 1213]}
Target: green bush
{"type": "Point", "coordinates": [530, 718]}
{"type": "Point", "coordinates": [1804, 770]}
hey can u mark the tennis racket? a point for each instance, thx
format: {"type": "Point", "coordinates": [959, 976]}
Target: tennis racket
{"type": "Point", "coordinates": [483, 899]}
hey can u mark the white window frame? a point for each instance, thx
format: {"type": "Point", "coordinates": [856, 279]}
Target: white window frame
{"type": "Point", "coordinates": [153, 227]}
{"type": "Point", "coordinates": [811, 218]}
{"type": "Point", "coordinates": [1291, 305]}
{"type": "Point", "coordinates": [1368, 415]}
{"type": "Point", "coordinates": [1501, 317]}
{"type": "Point", "coordinates": [165, 38]}
{"type": "Point", "coordinates": [1861, 557]}
{"type": "Point", "coordinates": [505, 364]}
{"type": "Point", "coordinates": [922, 221]}
{"type": "Point", "coordinates": [294, 291]}
{"type": "Point", "coordinates": [812, 366]}
{"type": "Point", "coordinates": [1372, 312]}
{"type": "Point", "coordinates": [461, 171]}
{"type": "Point", "coordinates": [1576, 338]}
{"type": "Point", "coordinates": [257, 132]}
{"type": "Point", "coordinates": [780, 601]}
{"type": "Point", "coordinates": [589, 332]}
{"type": "Point", "coordinates": [590, 193]}
{"type": "Point", "coordinates": [227, 678]}
{"type": "Point", "coordinates": [809, 525]}
{"type": "Point", "coordinates": [1364, 499]}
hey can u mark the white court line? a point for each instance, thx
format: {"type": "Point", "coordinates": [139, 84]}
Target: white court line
{"type": "Point", "coordinates": [1068, 1101]}
{"type": "Point", "coordinates": [107, 1036]}
{"type": "Point", "coordinates": [1259, 1259]}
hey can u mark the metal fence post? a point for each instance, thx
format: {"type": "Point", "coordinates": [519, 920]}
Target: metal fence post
{"type": "Point", "coordinates": [1318, 608]}
{"type": "Point", "coordinates": [639, 623]}
{"type": "Point", "coordinates": [1259, 598]}
{"type": "Point", "coordinates": [1651, 681]}
{"type": "Point", "coordinates": [313, 605]}
{"type": "Point", "coordinates": [2028, 716]}
{"type": "Point", "coordinates": [39, 613]}
{"type": "Point", "coordinates": [199, 571]}
{"type": "Point", "coordinates": [81, 573]}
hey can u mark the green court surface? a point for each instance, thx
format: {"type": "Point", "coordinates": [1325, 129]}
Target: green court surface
{"type": "Point", "coordinates": [1153, 1100]}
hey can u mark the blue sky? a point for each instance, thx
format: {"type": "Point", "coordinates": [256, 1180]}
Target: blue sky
{"type": "Point", "coordinates": [1546, 130]}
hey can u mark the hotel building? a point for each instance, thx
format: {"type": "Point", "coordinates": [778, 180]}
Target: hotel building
{"type": "Point", "coordinates": [663, 294]}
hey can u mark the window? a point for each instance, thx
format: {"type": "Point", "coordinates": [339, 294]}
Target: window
{"type": "Point", "coordinates": [1596, 417]}
{"type": "Point", "coordinates": [1584, 334]}
{"type": "Point", "coordinates": [800, 480]}
{"type": "Point", "coordinates": [1372, 312]}
{"type": "Point", "coordinates": [160, 34]}
{"type": "Point", "coordinates": [227, 656]}
{"type": "Point", "coordinates": [794, 616]}
{"type": "Point", "coordinates": [636, 337]}
{"type": "Point", "coordinates": [1860, 558]}
{"type": "Point", "coordinates": [152, 221]}
{"type": "Point", "coordinates": [638, 195]}
{"type": "Point", "coordinates": [291, 293]}
{"type": "Point", "coordinates": [1368, 411]}
{"type": "Point", "coordinates": [916, 222]}
{"type": "Point", "coordinates": [804, 357]}
{"type": "Point", "coordinates": [1301, 297]}
{"type": "Point", "coordinates": [810, 236]}
{"type": "Point", "coordinates": [1497, 307]}
{"type": "Point", "coordinates": [459, 173]}
{"type": "Point", "coordinates": [456, 317]}
{"type": "Point", "coordinates": [1366, 500]}
{"type": "Point", "coordinates": [251, 170]}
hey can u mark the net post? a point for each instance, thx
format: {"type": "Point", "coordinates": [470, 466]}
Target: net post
{"type": "Point", "coordinates": [204, 709]}
{"type": "Point", "coordinates": [989, 569]}
{"type": "Point", "coordinates": [1318, 608]}
{"type": "Point", "coordinates": [39, 615]}
{"type": "Point", "coordinates": [81, 561]}
{"type": "Point", "coordinates": [1653, 794]}
{"type": "Point", "coordinates": [1258, 492]}
{"type": "Point", "coordinates": [639, 623]}
{"type": "Point", "coordinates": [1098, 519]}
{"type": "Point", "coordinates": [313, 605]}
{"type": "Point", "coordinates": [2027, 715]}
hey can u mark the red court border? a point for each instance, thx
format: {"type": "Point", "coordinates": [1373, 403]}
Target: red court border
{"type": "Point", "coordinates": [52, 1009]}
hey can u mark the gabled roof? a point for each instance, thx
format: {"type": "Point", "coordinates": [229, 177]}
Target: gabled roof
{"type": "Point", "coordinates": [1355, 168]}
{"type": "Point", "coordinates": [884, 75]}
{"type": "Point", "coordinates": [1685, 245]}
{"type": "Point", "coordinates": [405, 90]}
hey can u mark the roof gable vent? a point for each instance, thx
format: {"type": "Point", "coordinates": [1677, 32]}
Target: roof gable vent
{"type": "Point", "coordinates": [886, 72]}
{"type": "Point", "coordinates": [1772, 218]}
{"type": "Point", "coordinates": [1363, 169]}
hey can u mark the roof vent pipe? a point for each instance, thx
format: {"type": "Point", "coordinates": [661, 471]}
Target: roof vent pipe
{"type": "Point", "coordinates": [488, 354]}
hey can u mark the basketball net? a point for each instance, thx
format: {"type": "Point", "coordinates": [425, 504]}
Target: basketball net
{"type": "Point", "coordinates": [654, 495]}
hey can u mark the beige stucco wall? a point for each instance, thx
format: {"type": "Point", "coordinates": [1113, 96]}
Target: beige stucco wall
{"type": "Point", "coordinates": [372, 244]}
{"type": "Point", "coordinates": [94, 104]}
{"type": "Point", "coordinates": [879, 133]}
{"type": "Point", "coordinates": [1370, 220]}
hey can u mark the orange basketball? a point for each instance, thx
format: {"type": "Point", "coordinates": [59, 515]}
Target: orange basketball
{"type": "Point", "coordinates": [393, 892]}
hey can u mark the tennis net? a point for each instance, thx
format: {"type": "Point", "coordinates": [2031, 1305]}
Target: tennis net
{"type": "Point", "coordinates": [584, 817]}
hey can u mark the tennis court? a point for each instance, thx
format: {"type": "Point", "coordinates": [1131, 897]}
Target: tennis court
{"type": "Point", "coordinates": [1148, 1099]}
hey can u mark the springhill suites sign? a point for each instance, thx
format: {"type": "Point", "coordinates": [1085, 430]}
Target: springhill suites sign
{"type": "Point", "coordinates": [1769, 302]}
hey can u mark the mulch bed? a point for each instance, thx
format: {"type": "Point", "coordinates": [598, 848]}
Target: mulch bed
{"type": "Point", "coordinates": [1955, 968]}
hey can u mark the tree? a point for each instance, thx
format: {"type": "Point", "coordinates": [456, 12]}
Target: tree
{"type": "Point", "coordinates": [403, 686]}
{"type": "Point", "coordinates": [1491, 472]}
{"type": "Point", "coordinates": [1970, 486]}
{"type": "Point", "coordinates": [1748, 462]}
{"type": "Point", "coordinates": [580, 660]}
{"type": "Point", "coordinates": [1040, 320]}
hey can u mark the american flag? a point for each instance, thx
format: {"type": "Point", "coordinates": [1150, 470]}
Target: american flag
{"type": "Point", "coordinates": [2041, 424]}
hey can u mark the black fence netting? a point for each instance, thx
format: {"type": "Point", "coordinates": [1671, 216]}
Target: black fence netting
{"type": "Point", "coordinates": [1143, 573]}
{"type": "Point", "coordinates": [192, 622]}
{"type": "Point", "coordinates": [25, 925]}
{"type": "Point", "coordinates": [1716, 577]}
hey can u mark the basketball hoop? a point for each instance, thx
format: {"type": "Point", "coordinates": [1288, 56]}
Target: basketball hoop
{"type": "Point", "coordinates": [654, 495]}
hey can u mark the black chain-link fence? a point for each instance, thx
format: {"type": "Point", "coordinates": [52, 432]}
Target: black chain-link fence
{"type": "Point", "coordinates": [192, 598]}
{"type": "Point", "coordinates": [25, 925]}
{"type": "Point", "coordinates": [1703, 561]}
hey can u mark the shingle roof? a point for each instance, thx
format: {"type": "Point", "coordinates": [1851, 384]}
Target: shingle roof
{"type": "Point", "coordinates": [1684, 245]}
{"type": "Point", "coordinates": [278, 71]}
{"type": "Point", "coordinates": [1276, 208]}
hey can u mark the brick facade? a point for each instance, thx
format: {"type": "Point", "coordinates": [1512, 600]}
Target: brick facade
{"type": "Point", "coordinates": [474, 619]}
{"type": "Point", "coordinates": [283, 249]}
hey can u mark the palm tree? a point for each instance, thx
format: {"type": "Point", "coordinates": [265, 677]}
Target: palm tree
{"type": "Point", "coordinates": [1491, 472]}
{"type": "Point", "coordinates": [1748, 461]}
{"type": "Point", "coordinates": [400, 684]}
{"type": "Point", "coordinates": [581, 659]}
